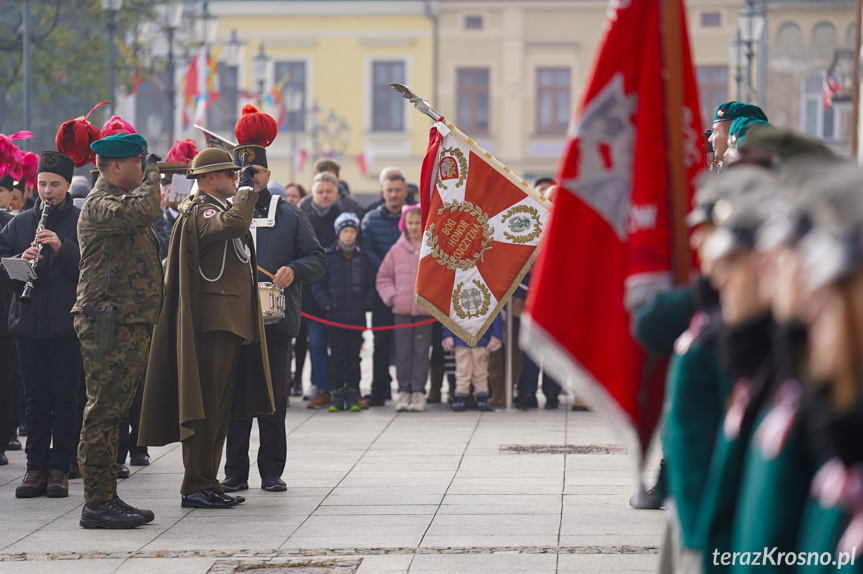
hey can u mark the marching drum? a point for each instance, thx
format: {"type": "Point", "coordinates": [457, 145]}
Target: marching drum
{"type": "Point", "coordinates": [272, 302]}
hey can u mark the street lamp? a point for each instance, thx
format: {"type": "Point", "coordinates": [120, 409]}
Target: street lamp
{"type": "Point", "coordinates": [735, 59]}
{"type": "Point", "coordinates": [259, 72]}
{"type": "Point", "coordinates": [207, 25]}
{"type": "Point", "coordinates": [111, 7]}
{"type": "Point", "coordinates": [750, 26]}
{"type": "Point", "coordinates": [293, 102]}
{"type": "Point", "coordinates": [232, 49]}
{"type": "Point", "coordinates": [172, 15]}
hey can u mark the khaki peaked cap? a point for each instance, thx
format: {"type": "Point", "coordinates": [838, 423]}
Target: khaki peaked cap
{"type": "Point", "coordinates": [210, 160]}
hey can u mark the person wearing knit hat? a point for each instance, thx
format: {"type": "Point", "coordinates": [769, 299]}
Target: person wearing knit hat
{"type": "Point", "coordinates": [120, 293]}
{"type": "Point", "coordinates": [723, 116]}
{"type": "Point", "coordinates": [39, 320]}
{"type": "Point", "coordinates": [345, 293]}
{"type": "Point", "coordinates": [289, 251]}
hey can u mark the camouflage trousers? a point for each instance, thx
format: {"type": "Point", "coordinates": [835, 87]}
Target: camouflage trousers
{"type": "Point", "coordinates": [112, 377]}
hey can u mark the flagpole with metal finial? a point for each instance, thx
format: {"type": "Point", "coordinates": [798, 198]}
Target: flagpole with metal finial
{"type": "Point", "coordinates": [419, 102]}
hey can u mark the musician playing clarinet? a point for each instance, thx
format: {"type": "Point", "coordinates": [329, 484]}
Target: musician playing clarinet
{"type": "Point", "coordinates": [39, 319]}
{"type": "Point", "coordinates": [289, 256]}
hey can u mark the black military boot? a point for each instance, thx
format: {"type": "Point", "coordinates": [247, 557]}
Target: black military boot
{"type": "Point", "coordinates": [108, 515]}
{"type": "Point", "coordinates": [654, 498]}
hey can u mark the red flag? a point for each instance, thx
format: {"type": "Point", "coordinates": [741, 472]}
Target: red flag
{"type": "Point", "coordinates": [830, 90]}
{"type": "Point", "coordinates": [609, 246]}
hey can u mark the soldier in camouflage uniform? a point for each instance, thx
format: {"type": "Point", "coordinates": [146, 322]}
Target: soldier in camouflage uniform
{"type": "Point", "coordinates": [120, 293]}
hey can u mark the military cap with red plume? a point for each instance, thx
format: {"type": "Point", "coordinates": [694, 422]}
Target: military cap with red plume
{"type": "Point", "coordinates": [255, 131]}
{"type": "Point", "coordinates": [182, 150]}
{"type": "Point", "coordinates": [11, 155]}
{"type": "Point", "coordinates": [117, 125]}
{"type": "Point", "coordinates": [75, 137]}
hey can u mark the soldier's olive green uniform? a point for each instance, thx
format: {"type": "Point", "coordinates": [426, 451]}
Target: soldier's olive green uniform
{"type": "Point", "coordinates": [120, 267]}
{"type": "Point", "coordinates": [230, 317]}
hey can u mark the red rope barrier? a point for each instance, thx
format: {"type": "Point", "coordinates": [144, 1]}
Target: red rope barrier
{"type": "Point", "coordinates": [363, 328]}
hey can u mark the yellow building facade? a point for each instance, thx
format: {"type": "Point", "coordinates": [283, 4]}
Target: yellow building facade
{"type": "Point", "coordinates": [333, 60]}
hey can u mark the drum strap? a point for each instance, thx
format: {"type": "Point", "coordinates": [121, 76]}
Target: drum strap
{"type": "Point", "coordinates": [269, 221]}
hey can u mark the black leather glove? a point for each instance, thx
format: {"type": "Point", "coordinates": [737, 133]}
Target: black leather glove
{"type": "Point", "coordinates": [151, 159]}
{"type": "Point", "coordinates": [247, 176]}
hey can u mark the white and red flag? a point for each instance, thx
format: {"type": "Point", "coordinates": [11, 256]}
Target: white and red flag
{"type": "Point", "coordinates": [611, 241]}
{"type": "Point", "coordinates": [482, 228]}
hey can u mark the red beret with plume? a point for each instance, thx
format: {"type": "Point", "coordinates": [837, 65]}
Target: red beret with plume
{"type": "Point", "coordinates": [117, 125]}
{"type": "Point", "coordinates": [255, 127]}
{"type": "Point", "coordinates": [30, 169]}
{"type": "Point", "coordinates": [75, 136]}
{"type": "Point", "coordinates": [11, 155]}
{"type": "Point", "coordinates": [182, 150]}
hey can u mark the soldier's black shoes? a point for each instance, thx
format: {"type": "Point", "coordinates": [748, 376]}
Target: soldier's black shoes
{"type": "Point", "coordinates": [147, 515]}
{"type": "Point", "coordinates": [14, 443]}
{"type": "Point", "coordinates": [234, 484]}
{"type": "Point", "coordinates": [108, 515]}
{"type": "Point", "coordinates": [237, 499]}
{"type": "Point", "coordinates": [273, 484]}
{"type": "Point", "coordinates": [206, 498]}
{"type": "Point", "coordinates": [35, 484]}
{"type": "Point", "coordinates": [123, 471]}
{"type": "Point", "coordinates": [139, 459]}
{"type": "Point", "coordinates": [3, 460]}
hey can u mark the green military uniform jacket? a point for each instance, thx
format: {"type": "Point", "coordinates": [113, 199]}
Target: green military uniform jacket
{"type": "Point", "coordinates": [694, 405]}
{"type": "Point", "coordinates": [120, 263]}
{"type": "Point", "coordinates": [172, 393]}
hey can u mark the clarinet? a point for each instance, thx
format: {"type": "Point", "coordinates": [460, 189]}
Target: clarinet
{"type": "Point", "coordinates": [28, 287]}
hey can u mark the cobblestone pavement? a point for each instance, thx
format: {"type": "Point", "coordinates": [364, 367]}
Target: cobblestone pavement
{"type": "Point", "coordinates": [371, 492]}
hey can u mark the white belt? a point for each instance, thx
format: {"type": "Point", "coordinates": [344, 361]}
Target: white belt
{"type": "Point", "coordinates": [269, 221]}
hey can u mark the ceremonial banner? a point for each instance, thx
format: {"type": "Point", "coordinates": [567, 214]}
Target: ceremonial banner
{"type": "Point", "coordinates": [609, 245]}
{"type": "Point", "coordinates": [482, 227]}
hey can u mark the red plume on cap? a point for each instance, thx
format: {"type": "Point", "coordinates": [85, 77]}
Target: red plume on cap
{"type": "Point", "coordinates": [117, 125]}
{"type": "Point", "coordinates": [75, 136]}
{"type": "Point", "coordinates": [30, 169]}
{"type": "Point", "coordinates": [255, 127]}
{"type": "Point", "coordinates": [11, 155]}
{"type": "Point", "coordinates": [182, 150]}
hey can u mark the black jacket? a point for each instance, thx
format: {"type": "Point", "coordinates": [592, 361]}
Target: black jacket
{"type": "Point", "coordinates": [347, 289]}
{"type": "Point", "coordinates": [54, 293]}
{"type": "Point", "coordinates": [324, 227]}
{"type": "Point", "coordinates": [290, 242]}
{"type": "Point", "coordinates": [5, 296]}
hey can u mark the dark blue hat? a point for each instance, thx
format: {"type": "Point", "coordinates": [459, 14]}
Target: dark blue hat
{"type": "Point", "coordinates": [56, 162]}
{"type": "Point", "coordinates": [120, 146]}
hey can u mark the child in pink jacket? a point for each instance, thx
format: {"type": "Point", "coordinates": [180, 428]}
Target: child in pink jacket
{"type": "Point", "coordinates": [395, 283]}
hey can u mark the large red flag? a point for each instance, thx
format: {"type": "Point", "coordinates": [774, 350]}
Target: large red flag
{"type": "Point", "coordinates": [609, 245]}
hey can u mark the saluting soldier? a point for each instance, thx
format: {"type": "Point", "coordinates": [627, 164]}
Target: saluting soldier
{"type": "Point", "coordinates": [119, 299]}
{"type": "Point", "coordinates": [209, 356]}
{"type": "Point", "coordinates": [290, 256]}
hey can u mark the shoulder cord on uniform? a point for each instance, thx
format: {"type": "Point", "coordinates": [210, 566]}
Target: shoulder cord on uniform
{"type": "Point", "coordinates": [219, 276]}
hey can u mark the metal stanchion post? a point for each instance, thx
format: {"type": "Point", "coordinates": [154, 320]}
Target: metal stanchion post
{"type": "Point", "coordinates": [508, 357]}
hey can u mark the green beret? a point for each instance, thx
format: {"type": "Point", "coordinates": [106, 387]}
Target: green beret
{"type": "Point", "coordinates": [733, 110]}
{"type": "Point", "coordinates": [741, 126]}
{"type": "Point", "coordinates": [119, 146]}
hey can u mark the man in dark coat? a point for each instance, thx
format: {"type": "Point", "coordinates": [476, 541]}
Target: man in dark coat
{"type": "Point", "coordinates": [42, 326]}
{"type": "Point", "coordinates": [208, 361]}
{"type": "Point", "coordinates": [289, 256]}
{"type": "Point", "coordinates": [380, 231]}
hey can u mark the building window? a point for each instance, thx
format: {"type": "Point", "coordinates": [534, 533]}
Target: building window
{"type": "Point", "coordinates": [711, 19]}
{"type": "Point", "coordinates": [818, 121]}
{"type": "Point", "coordinates": [789, 35]}
{"type": "Point", "coordinates": [473, 22]}
{"type": "Point", "coordinates": [388, 107]}
{"type": "Point", "coordinates": [473, 100]}
{"type": "Point", "coordinates": [824, 36]}
{"type": "Point", "coordinates": [222, 113]}
{"type": "Point", "coordinates": [712, 89]}
{"type": "Point", "coordinates": [291, 77]}
{"type": "Point", "coordinates": [552, 100]}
